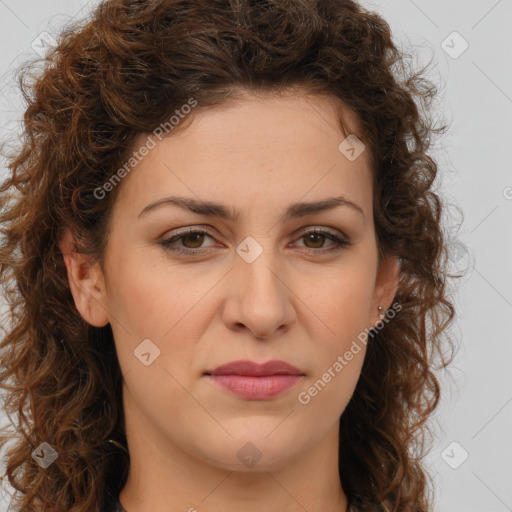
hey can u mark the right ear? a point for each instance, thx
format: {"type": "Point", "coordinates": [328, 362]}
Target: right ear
{"type": "Point", "coordinates": [86, 282]}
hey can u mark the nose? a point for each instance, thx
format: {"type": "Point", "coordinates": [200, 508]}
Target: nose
{"type": "Point", "coordinates": [258, 298]}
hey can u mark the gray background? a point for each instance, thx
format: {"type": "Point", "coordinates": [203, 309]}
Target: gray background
{"type": "Point", "coordinates": [475, 98]}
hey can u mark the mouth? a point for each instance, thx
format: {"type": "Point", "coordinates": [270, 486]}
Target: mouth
{"type": "Point", "coordinates": [254, 381]}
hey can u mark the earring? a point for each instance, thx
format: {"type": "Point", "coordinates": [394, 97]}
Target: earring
{"type": "Point", "coordinates": [373, 329]}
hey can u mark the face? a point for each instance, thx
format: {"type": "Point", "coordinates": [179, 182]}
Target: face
{"type": "Point", "coordinates": [187, 290]}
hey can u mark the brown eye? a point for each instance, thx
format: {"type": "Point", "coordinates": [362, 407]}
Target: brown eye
{"type": "Point", "coordinates": [317, 240]}
{"type": "Point", "coordinates": [195, 238]}
{"type": "Point", "coordinates": [191, 240]}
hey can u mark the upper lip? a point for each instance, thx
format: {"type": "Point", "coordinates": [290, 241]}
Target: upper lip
{"type": "Point", "coordinates": [253, 369]}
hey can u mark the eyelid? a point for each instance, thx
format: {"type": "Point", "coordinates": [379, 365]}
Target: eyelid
{"type": "Point", "coordinates": [176, 235]}
{"type": "Point", "coordinates": [339, 240]}
{"type": "Point", "coordinates": [322, 229]}
{"type": "Point", "coordinates": [301, 232]}
{"type": "Point", "coordinates": [187, 230]}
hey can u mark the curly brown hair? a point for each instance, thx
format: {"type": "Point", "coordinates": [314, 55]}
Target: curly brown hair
{"type": "Point", "coordinates": [123, 72]}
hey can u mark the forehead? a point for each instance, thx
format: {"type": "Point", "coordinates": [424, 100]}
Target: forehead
{"type": "Point", "coordinates": [280, 146]}
{"type": "Point", "coordinates": [273, 117]}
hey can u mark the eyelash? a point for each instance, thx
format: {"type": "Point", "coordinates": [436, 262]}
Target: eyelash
{"type": "Point", "coordinates": [339, 243]}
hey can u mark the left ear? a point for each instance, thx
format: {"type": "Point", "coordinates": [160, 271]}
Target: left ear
{"type": "Point", "coordinates": [386, 286]}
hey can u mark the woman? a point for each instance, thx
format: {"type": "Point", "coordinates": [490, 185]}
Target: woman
{"type": "Point", "coordinates": [223, 260]}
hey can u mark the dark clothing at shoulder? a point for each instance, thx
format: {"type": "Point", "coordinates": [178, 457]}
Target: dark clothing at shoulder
{"type": "Point", "coordinates": [115, 507]}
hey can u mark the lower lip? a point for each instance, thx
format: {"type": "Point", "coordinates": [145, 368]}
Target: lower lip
{"type": "Point", "coordinates": [256, 388]}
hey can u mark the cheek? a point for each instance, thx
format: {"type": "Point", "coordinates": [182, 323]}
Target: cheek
{"type": "Point", "coordinates": [167, 305]}
{"type": "Point", "coordinates": [338, 325]}
{"type": "Point", "coordinates": [340, 341]}
{"type": "Point", "coordinates": [149, 299]}
{"type": "Point", "coordinates": [341, 301]}
{"type": "Point", "coordinates": [323, 399]}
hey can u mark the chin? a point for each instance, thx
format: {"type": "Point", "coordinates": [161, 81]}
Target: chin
{"type": "Point", "coordinates": [254, 453]}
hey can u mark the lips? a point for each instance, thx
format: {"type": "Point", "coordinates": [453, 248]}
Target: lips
{"type": "Point", "coordinates": [252, 369]}
{"type": "Point", "coordinates": [255, 381]}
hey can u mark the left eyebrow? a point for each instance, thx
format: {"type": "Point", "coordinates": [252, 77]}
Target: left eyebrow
{"type": "Point", "coordinates": [212, 209]}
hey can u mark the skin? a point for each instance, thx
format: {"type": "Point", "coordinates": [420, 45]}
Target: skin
{"type": "Point", "coordinates": [295, 302]}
